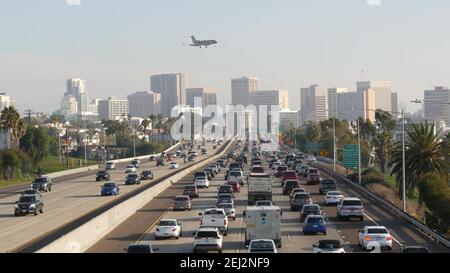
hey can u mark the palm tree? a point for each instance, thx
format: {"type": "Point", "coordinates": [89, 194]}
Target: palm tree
{"type": "Point", "coordinates": [424, 153]}
{"type": "Point", "coordinates": [144, 125]}
{"type": "Point", "coordinates": [10, 122]}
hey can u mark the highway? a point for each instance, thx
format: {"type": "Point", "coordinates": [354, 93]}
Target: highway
{"type": "Point", "coordinates": [71, 197]}
{"type": "Point", "coordinates": [141, 226]}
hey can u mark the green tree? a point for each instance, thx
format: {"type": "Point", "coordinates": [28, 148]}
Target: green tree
{"type": "Point", "coordinates": [11, 122]}
{"type": "Point", "coordinates": [424, 154]}
{"type": "Point", "coordinates": [9, 161]}
{"type": "Point", "coordinates": [36, 144]}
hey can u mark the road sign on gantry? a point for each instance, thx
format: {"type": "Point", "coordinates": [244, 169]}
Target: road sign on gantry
{"type": "Point", "coordinates": [351, 156]}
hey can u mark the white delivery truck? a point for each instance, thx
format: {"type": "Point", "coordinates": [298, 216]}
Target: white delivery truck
{"type": "Point", "coordinates": [263, 222]}
{"type": "Point", "coordinates": [259, 188]}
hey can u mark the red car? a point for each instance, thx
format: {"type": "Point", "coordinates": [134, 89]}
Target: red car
{"type": "Point", "coordinates": [312, 171]}
{"type": "Point", "coordinates": [288, 175]}
{"type": "Point", "coordinates": [313, 179]}
{"type": "Point", "coordinates": [235, 185]}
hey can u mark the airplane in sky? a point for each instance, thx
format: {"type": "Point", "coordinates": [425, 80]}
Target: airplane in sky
{"type": "Point", "coordinates": [200, 43]}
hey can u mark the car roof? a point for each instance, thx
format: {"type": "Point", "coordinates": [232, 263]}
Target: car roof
{"type": "Point", "coordinates": [168, 220]}
{"type": "Point", "coordinates": [352, 198]}
{"type": "Point", "coordinates": [375, 227]}
{"type": "Point", "coordinates": [203, 228]}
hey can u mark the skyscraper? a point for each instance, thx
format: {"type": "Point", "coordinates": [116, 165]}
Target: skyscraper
{"type": "Point", "coordinates": [208, 95]}
{"type": "Point", "coordinates": [240, 89]}
{"type": "Point", "coordinates": [269, 97]}
{"type": "Point", "coordinates": [382, 92]}
{"type": "Point", "coordinates": [77, 88]}
{"type": "Point", "coordinates": [313, 103]}
{"type": "Point", "coordinates": [332, 100]}
{"type": "Point", "coordinates": [172, 88]}
{"type": "Point", "coordinates": [353, 105]}
{"type": "Point", "coordinates": [112, 108]}
{"type": "Point", "coordinates": [435, 108]}
{"type": "Point", "coordinates": [394, 104]}
{"type": "Point", "coordinates": [143, 104]}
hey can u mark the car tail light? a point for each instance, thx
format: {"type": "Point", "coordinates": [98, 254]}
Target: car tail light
{"type": "Point", "coordinates": [174, 229]}
{"type": "Point", "coordinates": [225, 221]}
{"type": "Point", "coordinates": [389, 238]}
{"type": "Point", "coordinates": [367, 238]}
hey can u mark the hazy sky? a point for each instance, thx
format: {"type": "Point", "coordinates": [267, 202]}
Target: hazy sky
{"type": "Point", "coordinates": [288, 44]}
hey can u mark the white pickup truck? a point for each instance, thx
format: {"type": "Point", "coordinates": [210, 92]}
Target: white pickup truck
{"type": "Point", "coordinates": [215, 218]}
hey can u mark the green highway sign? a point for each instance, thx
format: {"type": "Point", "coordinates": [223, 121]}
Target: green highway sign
{"type": "Point", "coordinates": [351, 156]}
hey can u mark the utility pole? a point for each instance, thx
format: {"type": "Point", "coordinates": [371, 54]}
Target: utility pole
{"type": "Point", "coordinates": [403, 162]}
{"type": "Point", "coordinates": [359, 156]}
{"type": "Point", "coordinates": [334, 144]}
{"type": "Point", "coordinates": [28, 113]}
{"type": "Point", "coordinates": [67, 146]}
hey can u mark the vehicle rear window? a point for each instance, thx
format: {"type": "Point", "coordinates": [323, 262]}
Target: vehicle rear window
{"type": "Point", "coordinates": [182, 198]}
{"type": "Point", "coordinates": [40, 180]}
{"type": "Point", "coordinates": [377, 231]}
{"type": "Point", "coordinates": [207, 234]}
{"type": "Point", "coordinates": [257, 170]}
{"type": "Point", "coordinates": [26, 199]}
{"type": "Point", "coordinates": [166, 223]}
{"type": "Point", "coordinates": [352, 203]}
{"type": "Point", "coordinates": [315, 220]}
{"type": "Point", "coordinates": [189, 187]}
{"type": "Point", "coordinates": [110, 185]}
{"type": "Point", "coordinates": [282, 169]}
{"type": "Point", "coordinates": [213, 212]}
{"type": "Point", "coordinates": [226, 206]}
{"type": "Point", "coordinates": [301, 196]}
{"type": "Point", "coordinates": [330, 244]}
{"type": "Point", "coordinates": [262, 246]}
{"type": "Point", "coordinates": [235, 174]}
{"type": "Point", "coordinates": [139, 249]}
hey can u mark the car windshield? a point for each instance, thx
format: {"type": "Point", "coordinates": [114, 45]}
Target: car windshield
{"type": "Point", "coordinates": [207, 234]}
{"type": "Point", "coordinates": [145, 172]}
{"type": "Point", "coordinates": [109, 185]}
{"type": "Point", "coordinates": [262, 245]}
{"type": "Point", "coordinates": [167, 223]}
{"type": "Point", "coordinates": [330, 244]}
{"type": "Point", "coordinates": [40, 180]}
{"type": "Point", "coordinates": [132, 176]}
{"type": "Point", "coordinates": [26, 199]}
{"type": "Point", "coordinates": [102, 172]}
{"type": "Point", "coordinates": [315, 220]}
{"type": "Point", "coordinates": [301, 196]}
{"type": "Point", "coordinates": [139, 249]}
{"type": "Point", "coordinates": [131, 167]}
{"type": "Point", "coordinates": [311, 208]}
{"type": "Point", "coordinates": [377, 231]}
{"type": "Point", "coordinates": [352, 203]}
{"type": "Point", "coordinates": [333, 193]}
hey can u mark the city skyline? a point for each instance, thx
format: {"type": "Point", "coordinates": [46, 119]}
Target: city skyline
{"type": "Point", "coordinates": [369, 46]}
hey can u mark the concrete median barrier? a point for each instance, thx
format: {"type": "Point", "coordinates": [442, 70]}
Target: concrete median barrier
{"type": "Point", "coordinates": [83, 237]}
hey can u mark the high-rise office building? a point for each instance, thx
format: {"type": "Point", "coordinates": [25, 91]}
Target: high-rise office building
{"type": "Point", "coordinates": [394, 104]}
{"type": "Point", "coordinates": [269, 97]}
{"type": "Point", "coordinates": [289, 119]}
{"type": "Point", "coordinates": [112, 108]}
{"type": "Point", "coordinates": [332, 100]}
{"type": "Point", "coordinates": [69, 105]}
{"type": "Point", "coordinates": [207, 94]}
{"type": "Point", "coordinates": [382, 92]}
{"type": "Point", "coordinates": [93, 106]}
{"type": "Point", "coordinates": [77, 88]}
{"type": "Point", "coordinates": [5, 101]}
{"type": "Point", "coordinates": [435, 107]}
{"type": "Point", "coordinates": [353, 105]}
{"type": "Point", "coordinates": [143, 104]}
{"type": "Point", "coordinates": [240, 89]}
{"type": "Point", "coordinates": [172, 88]}
{"type": "Point", "coordinates": [313, 103]}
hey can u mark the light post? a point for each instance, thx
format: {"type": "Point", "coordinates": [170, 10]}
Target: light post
{"type": "Point", "coordinates": [359, 154]}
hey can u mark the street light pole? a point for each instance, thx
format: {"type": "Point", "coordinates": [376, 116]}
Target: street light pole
{"type": "Point", "coordinates": [334, 144]}
{"type": "Point", "coordinates": [359, 155]}
{"type": "Point", "coordinates": [134, 143]}
{"type": "Point", "coordinates": [403, 163]}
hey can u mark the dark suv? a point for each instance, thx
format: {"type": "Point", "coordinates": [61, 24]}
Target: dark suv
{"type": "Point", "coordinates": [42, 184]}
{"type": "Point", "coordinates": [29, 203]}
{"type": "Point", "coordinates": [327, 185]}
{"type": "Point", "coordinates": [102, 175]}
{"type": "Point", "coordinates": [147, 174]}
{"type": "Point", "coordinates": [289, 185]}
{"type": "Point", "coordinates": [132, 178]}
{"type": "Point", "coordinates": [191, 191]}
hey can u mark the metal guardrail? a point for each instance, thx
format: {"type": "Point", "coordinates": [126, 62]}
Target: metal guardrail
{"type": "Point", "coordinates": [423, 228]}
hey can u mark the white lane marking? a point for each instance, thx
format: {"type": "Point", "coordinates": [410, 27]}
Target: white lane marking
{"type": "Point", "coordinates": [397, 241]}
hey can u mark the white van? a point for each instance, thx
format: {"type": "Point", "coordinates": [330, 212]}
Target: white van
{"type": "Point", "coordinates": [263, 222]}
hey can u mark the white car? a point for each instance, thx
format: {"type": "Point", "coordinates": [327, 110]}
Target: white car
{"type": "Point", "coordinates": [130, 169]}
{"type": "Point", "coordinates": [173, 165]}
{"type": "Point", "coordinates": [262, 246]}
{"type": "Point", "coordinates": [333, 197]}
{"type": "Point", "coordinates": [168, 228]}
{"type": "Point", "coordinates": [110, 166]}
{"type": "Point", "coordinates": [201, 182]}
{"type": "Point", "coordinates": [229, 209]}
{"type": "Point", "coordinates": [373, 236]}
{"type": "Point", "coordinates": [329, 246]}
{"type": "Point", "coordinates": [208, 239]}
{"type": "Point", "coordinates": [275, 165]}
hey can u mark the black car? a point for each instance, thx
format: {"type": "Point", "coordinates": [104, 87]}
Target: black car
{"type": "Point", "coordinates": [102, 175]}
{"type": "Point", "coordinates": [29, 203]}
{"type": "Point", "coordinates": [31, 192]}
{"type": "Point", "coordinates": [309, 209]}
{"type": "Point", "coordinates": [42, 184]}
{"type": "Point", "coordinates": [160, 162]}
{"type": "Point", "coordinates": [191, 191]}
{"type": "Point", "coordinates": [152, 158]}
{"type": "Point", "coordinates": [414, 249]}
{"type": "Point", "coordinates": [289, 185]}
{"type": "Point", "coordinates": [145, 175]}
{"type": "Point", "coordinates": [132, 178]}
{"type": "Point", "coordinates": [327, 185]}
{"type": "Point", "coordinates": [211, 173]}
